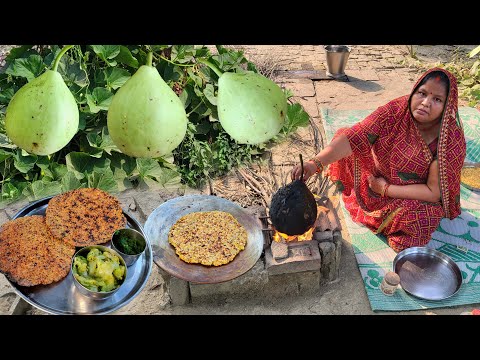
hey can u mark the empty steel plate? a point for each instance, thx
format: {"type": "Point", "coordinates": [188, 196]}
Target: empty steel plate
{"type": "Point", "coordinates": [427, 273]}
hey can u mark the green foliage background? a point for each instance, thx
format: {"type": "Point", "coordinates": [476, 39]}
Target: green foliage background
{"type": "Point", "coordinates": [94, 73]}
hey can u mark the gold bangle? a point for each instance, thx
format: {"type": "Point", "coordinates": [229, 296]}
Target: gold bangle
{"type": "Point", "coordinates": [318, 164]}
{"type": "Point", "coordinates": [384, 190]}
{"type": "Point", "coordinates": [385, 194]}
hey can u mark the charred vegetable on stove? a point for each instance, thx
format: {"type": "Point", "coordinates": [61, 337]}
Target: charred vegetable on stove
{"type": "Point", "coordinates": [293, 209]}
{"type": "Point", "coordinates": [42, 117]}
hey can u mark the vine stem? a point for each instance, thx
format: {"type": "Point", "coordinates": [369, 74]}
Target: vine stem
{"type": "Point", "coordinates": [174, 63]}
{"type": "Point", "coordinates": [149, 59]}
{"type": "Point", "coordinates": [195, 108]}
{"type": "Point", "coordinates": [211, 66]}
{"type": "Point", "coordinates": [59, 56]}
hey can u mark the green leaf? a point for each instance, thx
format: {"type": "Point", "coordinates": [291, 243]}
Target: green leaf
{"type": "Point", "coordinates": [74, 74]}
{"type": "Point", "coordinates": [196, 79]}
{"type": "Point", "coordinates": [80, 163]}
{"type": "Point", "coordinates": [50, 58]}
{"type": "Point", "coordinates": [185, 98]}
{"type": "Point", "coordinates": [148, 167]}
{"type": "Point", "coordinates": [229, 59]}
{"type": "Point", "coordinates": [9, 191]}
{"type": "Point", "coordinates": [17, 52]}
{"type": "Point", "coordinates": [43, 162]}
{"type": "Point", "coordinates": [126, 57]}
{"type": "Point", "coordinates": [6, 95]}
{"type": "Point", "coordinates": [474, 51]}
{"type": "Point", "coordinates": [100, 99]}
{"type": "Point", "coordinates": [103, 180]}
{"type": "Point", "coordinates": [28, 68]}
{"type": "Point", "coordinates": [156, 48]}
{"type": "Point", "coordinates": [124, 162]}
{"type": "Point", "coordinates": [102, 141]}
{"type": "Point", "coordinates": [4, 155]}
{"type": "Point", "coordinates": [288, 93]}
{"type": "Point", "coordinates": [107, 53]}
{"type": "Point", "coordinates": [209, 92]}
{"type": "Point", "coordinates": [6, 143]}
{"type": "Point", "coordinates": [24, 163]}
{"type": "Point", "coordinates": [58, 170]}
{"type": "Point", "coordinates": [70, 182]}
{"type": "Point", "coordinates": [182, 53]}
{"type": "Point", "coordinates": [203, 128]}
{"type": "Point", "coordinates": [115, 77]}
{"type": "Point", "coordinates": [121, 179]}
{"type": "Point", "coordinates": [40, 189]}
{"type": "Point", "coordinates": [168, 177]}
{"type": "Point", "coordinates": [296, 117]}
{"type": "Point", "coordinates": [201, 52]}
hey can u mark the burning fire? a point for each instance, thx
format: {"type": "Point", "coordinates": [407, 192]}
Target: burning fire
{"type": "Point", "coordinates": [278, 236]}
{"type": "Point", "coordinates": [306, 236]}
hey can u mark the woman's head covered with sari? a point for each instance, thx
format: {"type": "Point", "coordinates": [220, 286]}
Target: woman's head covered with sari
{"type": "Point", "coordinates": [451, 148]}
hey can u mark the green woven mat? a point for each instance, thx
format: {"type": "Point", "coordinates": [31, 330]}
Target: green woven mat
{"type": "Point", "coordinates": [458, 238]}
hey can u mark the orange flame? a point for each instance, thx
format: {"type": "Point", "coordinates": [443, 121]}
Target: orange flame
{"type": "Point", "coordinates": [308, 235]}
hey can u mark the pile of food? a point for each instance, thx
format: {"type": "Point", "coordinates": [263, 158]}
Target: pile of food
{"type": "Point", "coordinates": [38, 249]}
{"type": "Point", "coordinates": [208, 238]}
{"type": "Point", "coordinates": [99, 270]}
{"type": "Point", "coordinates": [470, 176]}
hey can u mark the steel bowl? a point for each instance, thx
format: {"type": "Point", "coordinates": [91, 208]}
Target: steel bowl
{"type": "Point", "coordinates": [136, 236]}
{"type": "Point", "coordinates": [427, 273]}
{"type": "Point", "coordinates": [96, 295]}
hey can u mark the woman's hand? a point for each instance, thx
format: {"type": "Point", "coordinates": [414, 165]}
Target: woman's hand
{"type": "Point", "coordinates": [309, 168]}
{"type": "Point", "coordinates": [376, 183]}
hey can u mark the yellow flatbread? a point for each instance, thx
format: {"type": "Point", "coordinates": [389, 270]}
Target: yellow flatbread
{"type": "Point", "coordinates": [208, 238]}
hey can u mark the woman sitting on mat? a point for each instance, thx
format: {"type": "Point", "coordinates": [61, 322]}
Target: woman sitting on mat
{"type": "Point", "coordinates": [399, 168]}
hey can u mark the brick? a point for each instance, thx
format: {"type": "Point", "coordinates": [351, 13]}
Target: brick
{"type": "Point", "coordinates": [303, 256]}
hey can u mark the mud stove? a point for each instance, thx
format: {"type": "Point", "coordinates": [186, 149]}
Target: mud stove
{"type": "Point", "coordinates": [288, 266]}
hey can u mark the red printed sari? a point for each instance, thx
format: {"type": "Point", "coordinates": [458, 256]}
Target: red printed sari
{"type": "Point", "coordinates": [387, 143]}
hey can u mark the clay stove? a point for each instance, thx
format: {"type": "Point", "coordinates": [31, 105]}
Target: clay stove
{"type": "Point", "coordinates": [287, 267]}
{"type": "Point", "coordinates": [287, 254]}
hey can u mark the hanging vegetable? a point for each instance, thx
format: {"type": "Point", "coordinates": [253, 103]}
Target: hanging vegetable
{"type": "Point", "coordinates": [42, 117]}
{"type": "Point", "coordinates": [146, 118]}
{"type": "Point", "coordinates": [251, 108]}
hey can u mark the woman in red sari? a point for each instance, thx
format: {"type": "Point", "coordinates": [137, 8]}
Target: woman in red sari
{"type": "Point", "coordinates": [400, 167]}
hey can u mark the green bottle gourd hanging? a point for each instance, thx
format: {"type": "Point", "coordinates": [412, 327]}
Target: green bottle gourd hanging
{"type": "Point", "coordinates": [251, 108]}
{"type": "Point", "coordinates": [146, 118]}
{"type": "Point", "coordinates": [42, 116]}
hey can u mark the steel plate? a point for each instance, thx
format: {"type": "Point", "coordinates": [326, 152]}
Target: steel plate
{"type": "Point", "coordinates": [427, 273]}
{"type": "Point", "coordinates": [63, 298]}
{"type": "Point", "coordinates": [162, 219]}
{"type": "Point", "coordinates": [468, 164]}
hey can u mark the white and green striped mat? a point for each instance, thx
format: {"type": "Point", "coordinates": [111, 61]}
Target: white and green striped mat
{"type": "Point", "coordinates": [458, 238]}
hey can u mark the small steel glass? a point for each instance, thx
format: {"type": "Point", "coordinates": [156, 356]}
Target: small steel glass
{"type": "Point", "coordinates": [134, 235]}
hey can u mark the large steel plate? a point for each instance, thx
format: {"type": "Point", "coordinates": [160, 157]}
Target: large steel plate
{"type": "Point", "coordinates": [63, 298]}
{"type": "Point", "coordinates": [427, 273]}
{"type": "Point", "coordinates": [162, 219]}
